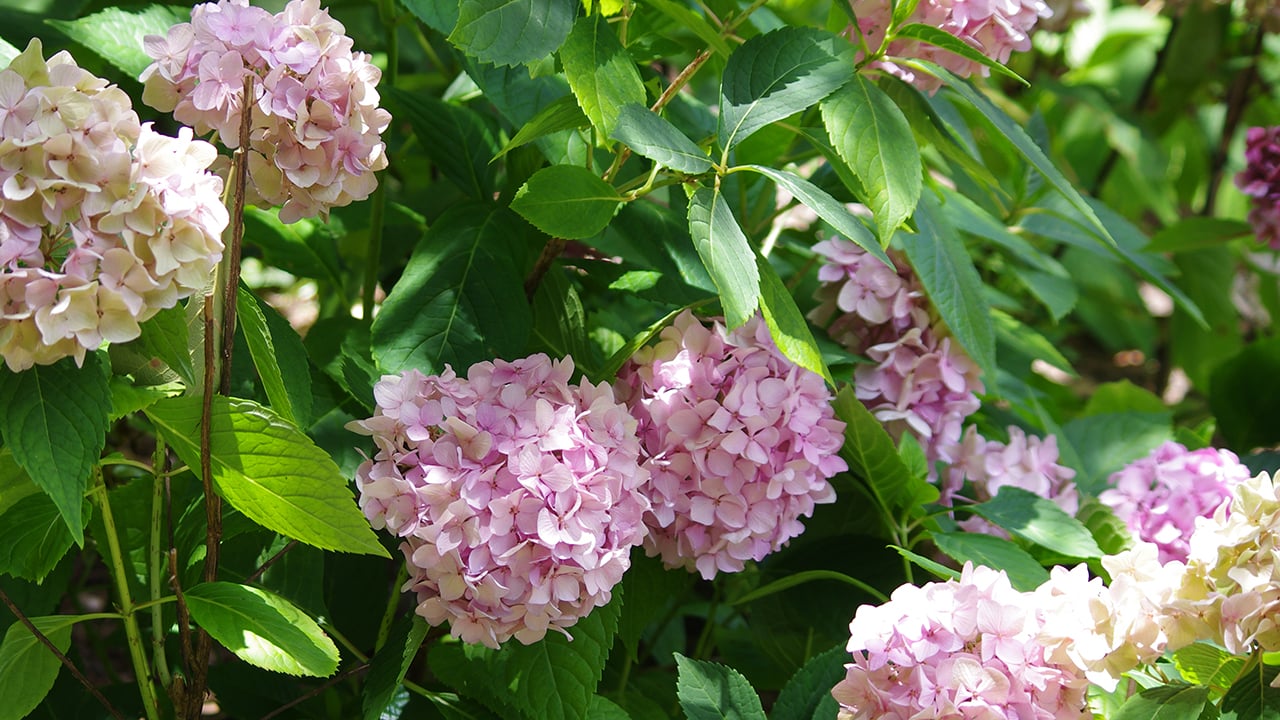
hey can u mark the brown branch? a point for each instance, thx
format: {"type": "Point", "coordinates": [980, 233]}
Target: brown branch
{"type": "Point", "coordinates": [316, 690]}
{"type": "Point", "coordinates": [231, 291]}
{"type": "Point", "coordinates": [550, 252]}
{"type": "Point", "coordinates": [62, 658]}
{"type": "Point", "coordinates": [270, 561]}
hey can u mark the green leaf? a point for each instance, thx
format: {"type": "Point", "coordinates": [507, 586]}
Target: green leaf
{"type": "Point", "coordinates": [952, 283]}
{"type": "Point", "coordinates": [164, 337]}
{"type": "Point", "coordinates": [117, 34]}
{"type": "Point", "coordinates": [1165, 702]}
{"type": "Point", "coordinates": [1244, 392]}
{"type": "Point", "coordinates": [1035, 519]}
{"type": "Point", "coordinates": [508, 32]}
{"type": "Point", "coordinates": [438, 16]}
{"type": "Point", "coordinates": [263, 629]}
{"type": "Point", "coordinates": [787, 325]}
{"type": "Point", "coordinates": [1252, 697]}
{"type": "Point", "coordinates": [692, 21]}
{"type": "Point", "coordinates": [945, 40]}
{"type": "Point", "coordinates": [15, 484]}
{"type": "Point", "coordinates": [873, 457]}
{"type": "Point", "coordinates": [1122, 396]}
{"type": "Point", "coordinates": [938, 569]}
{"type": "Point", "coordinates": [650, 590]}
{"type": "Point", "coordinates": [650, 135]}
{"type": "Point", "coordinates": [270, 471]}
{"type": "Point", "coordinates": [601, 73]}
{"type": "Point", "coordinates": [1109, 531]}
{"type": "Point", "coordinates": [556, 678]}
{"type": "Point", "coordinates": [1006, 127]}
{"type": "Point", "coordinates": [560, 114]}
{"type": "Point", "coordinates": [7, 52]}
{"type": "Point", "coordinates": [619, 358]}
{"type": "Point", "coordinates": [567, 201]}
{"type": "Point", "coordinates": [872, 135]}
{"type": "Point", "coordinates": [389, 665]}
{"type": "Point", "coordinates": [1013, 333]}
{"type": "Point", "coordinates": [1109, 441]}
{"type": "Point", "coordinates": [1198, 233]}
{"type": "Point", "coordinates": [807, 695]}
{"type": "Point", "coordinates": [560, 322]}
{"type": "Point", "coordinates": [778, 74]}
{"type": "Point", "coordinates": [602, 708]}
{"type": "Point", "coordinates": [710, 691]}
{"type": "Point", "coordinates": [457, 139]}
{"type": "Point", "coordinates": [726, 254]}
{"type": "Point", "coordinates": [55, 422]}
{"type": "Point", "coordinates": [460, 299]}
{"type": "Point", "coordinates": [289, 392]}
{"type": "Point", "coordinates": [128, 398]}
{"type": "Point", "coordinates": [33, 537]}
{"type": "Point", "coordinates": [298, 248]}
{"type": "Point", "coordinates": [827, 207]}
{"type": "Point", "coordinates": [1024, 572]}
{"type": "Point", "coordinates": [27, 668]}
{"type": "Point", "coordinates": [1204, 664]}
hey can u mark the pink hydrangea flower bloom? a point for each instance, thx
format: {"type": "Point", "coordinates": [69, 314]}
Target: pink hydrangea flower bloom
{"type": "Point", "coordinates": [1160, 496]}
{"type": "Point", "coordinates": [1260, 180]}
{"type": "Point", "coordinates": [740, 440]}
{"type": "Point", "coordinates": [996, 28]}
{"type": "Point", "coordinates": [864, 301]}
{"type": "Point", "coordinates": [518, 495]}
{"type": "Point", "coordinates": [967, 648]}
{"type": "Point", "coordinates": [1026, 462]}
{"type": "Point", "coordinates": [315, 130]}
{"type": "Point", "coordinates": [103, 221]}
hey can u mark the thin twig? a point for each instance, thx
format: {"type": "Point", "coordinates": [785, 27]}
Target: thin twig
{"type": "Point", "coordinates": [317, 690]}
{"type": "Point", "coordinates": [270, 561]}
{"type": "Point", "coordinates": [241, 180]}
{"type": "Point", "coordinates": [550, 252]}
{"type": "Point", "coordinates": [62, 658]}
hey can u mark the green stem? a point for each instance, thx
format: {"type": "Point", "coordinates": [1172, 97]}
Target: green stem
{"type": "Point", "coordinates": [378, 210]}
{"type": "Point", "coordinates": [393, 602]}
{"type": "Point", "coordinates": [704, 638]}
{"type": "Point", "coordinates": [155, 568]}
{"type": "Point", "coordinates": [120, 576]}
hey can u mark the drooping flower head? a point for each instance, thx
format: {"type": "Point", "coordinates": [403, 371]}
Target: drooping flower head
{"type": "Point", "coordinates": [315, 125]}
{"type": "Point", "coordinates": [103, 221]}
{"type": "Point", "coordinates": [1026, 462]}
{"type": "Point", "coordinates": [1160, 496]}
{"type": "Point", "coordinates": [996, 28]}
{"type": "Point", "coordinates": [1260, 180]}
{"type": "Point", "coordinates": [967, 648]}
{"type": "Point", "coordinates": [740, 440]}
{"type": "Point", "coordinates": [518, 495]}
{"type": "Point", "coordinates": [918, 381]}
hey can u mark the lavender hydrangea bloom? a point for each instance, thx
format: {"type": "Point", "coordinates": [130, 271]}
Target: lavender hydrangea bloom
{"type": "Point", "coordinates": [103, 221]}
{"type": "Point", "coordinates": [316, 126]}
{"type": "Point", "coordinates": [1160, 496]}
{"type": "Point", "coordinates": [996, 28]}
{"type": "Point", "coordinates": [1260, 180]}
{"type": "Point", "coordinates": [518, 494]}
{"type": "Point", "coordinates": [967, 648]}
{"type": "Point", "coordinates": [740, 440]}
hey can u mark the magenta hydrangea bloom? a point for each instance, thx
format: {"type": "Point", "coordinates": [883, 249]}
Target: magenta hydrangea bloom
{"type": "Point", "coordinates": [1026, 462]}
{"type": "Point", "coordinates": [103, 221]}
{"type": "Point", "coordinates": [996, 28]}
{"type": "Point", "coordinates": [967, 648]}
{"type": "Point", "coordinates": [518, 494]}
{"type": "Point", "coordinates": [316, 126]}
{"type": "Point", "coordinates": [740, 440]}
{"type": "Point", "coordinates": [1160, 496]}
{"type": "Point", "coordinates": [1260, 180]}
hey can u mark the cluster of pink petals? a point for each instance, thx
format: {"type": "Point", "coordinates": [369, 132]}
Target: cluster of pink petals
{"type": "Point", "coordinates": [967, 648]}
{"type": "Point", "coordinates": [518, 494]}
{"type": "Point", "coordinates": [1026, 462]}
{"type": "Point", "coordinates": [996, 28]}
{"type": "Point", "coordinates": [1260, 180]}
{"type": "Point", "coordinates": [1235, 555]}
{"type": "Point", "coordinates": [315, 129]}
{"type": "Point", "coordinates": [741, 442]}
{"type": "Point", "coordinates": [919, 381]}
{"type": "Point", "coordinates": [1160, 496]}
{"type": "Point", "coordinates": [103, 222]}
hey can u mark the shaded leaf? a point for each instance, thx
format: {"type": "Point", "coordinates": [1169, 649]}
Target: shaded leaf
{"type": "Point", "coordinates": [601, 73]}
{"type": "Point", "coordinates": [457, 139]}
{"type": "Point", "coordinates": [27, 668]}
{"type": "Point", "coordinates": [1165, 702]}
{"type": "Point", "coordinates": [945, 40]}
{"type": "Point", "coordinates": [1039, 520]}
{"type": "Point", "coordinates": [558, 115]}
{"type": "Point", "coordinates": [827, 207]}
{"type": "Point", "coordinates": [389, 665]}
{"type": "Point", "coordinates": [164, 337]}
{"type": "Point", "coordinates": [873, 457]}
{"type": "Point", "coordinates": [1024, 572]}
{"type": "Point", "coordinates": [651, 136]}
{"type": "Point", "coordinates": [710, 691]}
{"type": "Point", "coordinates": [726, 254]}
{"type": "Point", "coordinates": [807, 695]}
{"type": "Point", "coordinates": [1244, 393]}
{"type": "Point", "coordinates": [33, 537]}
{"type": "Point", "coordinates": [503, 32]}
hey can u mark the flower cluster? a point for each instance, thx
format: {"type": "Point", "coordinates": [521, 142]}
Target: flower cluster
{"type": "Point", "coordinates": [103, 221]}
{"type": "Point", "coordinates": [1236, 556]}
{"type": "Point", "coordinates": [741, 442]}
{"type": "Point", "coordinates": [967, 648]}
{"type": "Point", "coordinates": [1260, 180]}
{"type": "Point", "coordinates": [919, 380]}
{"type": "Point", "coordinates": [995, 28]}
{"type": "Point", "coordinates": [1026, 462]}
{"type": "Point", "coordinates": [315, 123]}
{"type": "Point", "coordinates": [518, 494]}
{"type": "Point", "coordinates": [1160, 496]}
